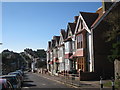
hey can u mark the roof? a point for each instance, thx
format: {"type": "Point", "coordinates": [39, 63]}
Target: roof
{"type": "Point", "coordinates": [100, 12]}
{"type": "Point", "coordinates": [63, 33]}
{"type": "Point", "coordinates": [76, 19]}
{"type": "Point", "coordinates": [72, 26]}
{"type": "Point", "coordinates": [8, 75]}
{"type": "Point", "coordinates": [96, 23]}
{"type": "Point", "coordinates": [89, 18]}
{"type": "Point", "coordinates": [99, 17]}
{"type": "Point", "coordinates": [2, 80]}
{"type": "Point", "coordinates": [56, 38]}
{"type": "Point", "coordinates": [52, 43]}
{"type": "Point", "coordinates": [49, 44]}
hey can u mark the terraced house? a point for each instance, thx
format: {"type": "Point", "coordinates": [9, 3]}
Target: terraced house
{"type": "Point", "coordinates": [70, 46]}
{"type": "Point", "coordinates": [61, 51]}
{"type": "Point", "coordinates": [55, 55]}
{"type": "Point", "coordinates": [83, 45]}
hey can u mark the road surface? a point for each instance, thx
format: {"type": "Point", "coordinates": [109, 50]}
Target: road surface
{"type": "Point", "coordinates": [32, 80]}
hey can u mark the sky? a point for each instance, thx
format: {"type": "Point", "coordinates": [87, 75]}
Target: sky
{"type": "Point", "coordinates": [33, 24]}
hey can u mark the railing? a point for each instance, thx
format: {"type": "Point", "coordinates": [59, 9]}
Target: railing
{"type": "Point", "coordinates": [72, 79]}
{"type": "Point", "coordinates": [75, 80]}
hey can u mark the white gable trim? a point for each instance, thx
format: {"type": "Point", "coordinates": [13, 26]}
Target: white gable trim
{"type": "Point", "coordinates": [86, 27]}
{"type": "Point", "coordinates": [69, 31]}
{"type": "Point", "coordinates": [77, 24]}
{"type": "Point", "coordinates": [61, 39]}
{"type": "Point", "coordinates": [56, 43]}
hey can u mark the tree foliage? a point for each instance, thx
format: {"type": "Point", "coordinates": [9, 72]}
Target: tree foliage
{"type": "Point", "coordinates": [40, 55]}
{"type": "Point", "coordinates": [11, 61]}
{"type": "Point", "coordinates": [113, 33]}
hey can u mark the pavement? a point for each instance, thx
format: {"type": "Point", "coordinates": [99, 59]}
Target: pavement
{"type": "Point", "coordinates": [73, 82]}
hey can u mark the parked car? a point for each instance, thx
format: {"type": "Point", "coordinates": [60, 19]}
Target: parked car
{"type": "Point", "coordinates": [5, 85]}
{"type": "Point", "coordinates": [14, 80]}
{"type": "Point", "coordinates": [18, 74]}
{"type": "Point", "coordinates": [29, 70]}
{"type": "Point", "coordinates": [20, 71]}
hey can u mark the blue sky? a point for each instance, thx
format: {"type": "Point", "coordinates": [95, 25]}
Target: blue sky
{"type": "Point", "coordinates": [32, 24]}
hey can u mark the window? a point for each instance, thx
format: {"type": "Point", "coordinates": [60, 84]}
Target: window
{"type": "Point", "coordinates": [60, 52]}
{"type": "Point", "coordinates": [66, 47]}
{"type": "Point", "coordinates": [80, 41]}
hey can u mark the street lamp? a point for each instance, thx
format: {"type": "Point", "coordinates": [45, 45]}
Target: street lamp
{"type": "Point", "coordinates": [0, 43]}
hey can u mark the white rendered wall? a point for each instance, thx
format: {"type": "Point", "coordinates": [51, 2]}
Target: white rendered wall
{"type": "Point", "coordinates": [90, 53]}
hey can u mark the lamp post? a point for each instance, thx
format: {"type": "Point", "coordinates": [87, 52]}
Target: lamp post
{"type": "Point", "coordinates": [113, 83]}
{"type": "Point", "coordinates": [101, 82]}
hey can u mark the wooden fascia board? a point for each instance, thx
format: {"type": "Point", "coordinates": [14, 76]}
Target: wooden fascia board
{"type": "Point", "coordinates": [77, 24]}
{"type": "Point", "coordinates": [70, 31]}
{"type": "Point", "coordinates": [61, 39]}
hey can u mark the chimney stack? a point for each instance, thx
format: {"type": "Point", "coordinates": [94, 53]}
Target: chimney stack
{"type": "Point", "coordinates": [75, 18]}
{"type": "Point", "coordinates": [106, 4]}
{"type": "Point", "coordinates": [49, 44]}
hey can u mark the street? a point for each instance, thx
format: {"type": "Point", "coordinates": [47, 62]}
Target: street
{"type": "Point", "coordinates": [35, 81]}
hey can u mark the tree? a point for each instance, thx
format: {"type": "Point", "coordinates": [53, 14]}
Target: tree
{"type": "Point", "coordinates": [113, 33]}
{"type": "Point", "coordinates": [11, 61]}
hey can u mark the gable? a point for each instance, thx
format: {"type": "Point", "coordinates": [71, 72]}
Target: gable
{"type": "Point", "coordinates": [85, 21]}
{"type": "Point", "coordinates": [69, 33]}
{"type": "Point", "coordinates": [81, 25]}
{"type": "Point", "coordinates": [70, 29]}
{"type": "Point", "coordinates": [61, 40]}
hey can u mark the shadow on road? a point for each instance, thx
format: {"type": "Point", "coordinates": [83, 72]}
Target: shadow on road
{"type": "Point", "coordinates": [28, 85]}
{"type": "Point", "coordinates": [27, 81]}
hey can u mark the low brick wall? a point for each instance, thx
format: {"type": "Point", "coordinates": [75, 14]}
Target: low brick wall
{"type": "Point", "coordinates": [84, 76]}
{"type": "Point", "coordinates": [88, 76]}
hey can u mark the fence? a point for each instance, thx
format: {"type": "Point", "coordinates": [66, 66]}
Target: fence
{"type": "Point", "coordinates": [72, 79]}
{"type": "Point", "coordinates": [76, 79]}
